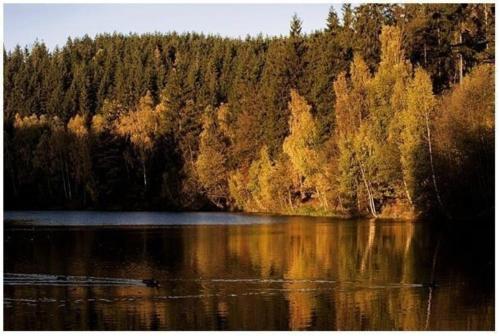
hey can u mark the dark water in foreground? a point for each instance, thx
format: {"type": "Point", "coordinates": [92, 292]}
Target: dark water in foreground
{"type": "Point", "coordinates": [242, 273]}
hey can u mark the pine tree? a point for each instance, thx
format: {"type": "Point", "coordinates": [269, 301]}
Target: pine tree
{"type": "Point", "coordinates": [295, 26]}
{"type": "Point", "coordinates": [352, 79]}
{"type": "Point", "coordinates": [332, 22]}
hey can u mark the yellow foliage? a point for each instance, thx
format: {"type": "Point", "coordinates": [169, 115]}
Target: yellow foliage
{"type": "Point", "coordinates": [343, 112]}
{"type": "Point", "coordinates": [471, 105]}
{"type": "Point", "coordinates": [77, 127]}
{"type": "Point", "coordinates": [30, 121]}
{"type": "Point", "coordinates": [98, 124]}
{"type": "Point", "coordinates": [301, 144]}
{"type": "Point", "coordinates": [360, 80]}
{"type": "Point", "coordinates": [421, 104]}
{"type": "Point", "coordinates": [392, 75]}
{"type": "Point", "coordinates": [142, 126]}
{"type": "Point", "coordinates": [391, 46]}
{"type": "Point", "coordinates": [468, 112]}
{"type": "Point", "coordinates": [223, 120]}
{"type": "Point", "coordinates": [351, 104]}
{"type": "Point", "coordinates": [107, 117]}
{"type": "Point", "coordinates": [210, 164]}
{"type": "Point", "coordinates": [266, 186]}
{"type": "Point", "coordinates": [238, 189]}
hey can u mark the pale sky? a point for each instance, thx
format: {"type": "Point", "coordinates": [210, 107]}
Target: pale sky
{"type": "Point", "coordinates": [53, 23]}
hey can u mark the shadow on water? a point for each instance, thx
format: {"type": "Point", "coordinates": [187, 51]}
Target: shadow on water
{"type": "Point", "coordinates": [293, 274]}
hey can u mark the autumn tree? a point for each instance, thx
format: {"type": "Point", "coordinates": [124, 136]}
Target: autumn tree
{"type": "Point", "coordinates": [416, 142]}
{"type": "Point", "coordinates": [78, 134]}
{"type": "Point", "coordinates": [346, 122]}
{"type": "Point", "coordinates": [464, 140]}
{"type": "Point", "coordinates": [142, 126]}
{"type": "Point", "coordinates": [212, 158]}
{"type": "Point", "coordinates": [80, 156]}
{"type": "Point", "coordinates": [351, 109]}
{"type": "Point", "coordinates": [301, 144]}
{"type": "Point", "coordinates": [108, 160]}
{"type": "Point", "coordinates": [241, 197]}
{"type": "Point", "coordinates": [260, 181]}
{"type": "Point", "coordinates": [378, 150]}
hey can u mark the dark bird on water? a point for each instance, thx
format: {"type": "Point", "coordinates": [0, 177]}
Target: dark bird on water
{"type": "Point", "coordinates": [151, 283]}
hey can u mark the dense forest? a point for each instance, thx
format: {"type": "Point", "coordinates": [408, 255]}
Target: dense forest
{"type": "Point", "coordinates": [386, 112]}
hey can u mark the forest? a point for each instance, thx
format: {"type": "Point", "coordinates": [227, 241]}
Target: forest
{"type": "Point", "coordinates": [387, 112]}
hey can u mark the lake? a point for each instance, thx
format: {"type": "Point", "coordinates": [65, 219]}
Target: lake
{"type": "Point", "coordinates": [221, 271]}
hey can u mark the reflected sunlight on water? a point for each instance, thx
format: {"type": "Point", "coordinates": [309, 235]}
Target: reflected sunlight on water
{"type": "Point", "coordinates": [297, 273]}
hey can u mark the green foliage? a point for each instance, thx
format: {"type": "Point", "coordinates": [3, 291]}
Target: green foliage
{"type": "Point", "coordinates": [300, 144]}
{"type": "Point", "coordinates": [415, 161]}
{"type": "Point", "coordinates": [464, 137]}
{"type": "Point", "coordinates": [347, 174]}
{"type": "Point", "coordinates": [210, 164]}
{"type": "Point", "coordinates": [333, 121]}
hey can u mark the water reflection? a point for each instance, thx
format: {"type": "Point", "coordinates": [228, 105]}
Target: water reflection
{"type": "Point", "coordinates": [300, 274]}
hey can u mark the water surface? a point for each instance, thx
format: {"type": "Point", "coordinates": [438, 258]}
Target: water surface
{"type": "Point", "coordinates": [85, 271]}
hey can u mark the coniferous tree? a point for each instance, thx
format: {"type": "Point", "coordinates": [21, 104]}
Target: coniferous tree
{"type": "Point", "coordinates": [364, 150]}
{"type": "Point", "coordinates": [332, 22]}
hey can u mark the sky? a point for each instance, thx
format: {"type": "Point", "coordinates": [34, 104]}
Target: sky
{"type": "Point", "coordinates": [54, 23]}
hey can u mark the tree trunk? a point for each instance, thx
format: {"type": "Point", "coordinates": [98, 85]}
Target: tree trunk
{"type": "Point", "coordinates": [371, 203]}
{"type": "Point", "coordinates": [290, 198]}
{"type": "Point", "coordinates": [461, 64]}
{"type": "Point", "coordinates": [63, 179]}
{"type": "Point", "coordinates": [68, 181]}
{"type": "Point", "coordinates": [144, 177]}
{"type": "Point", "coordinates": [301, 188]}
{"type": "Point", "coordinates": [434, 180]}
{"type": "Point", "coordinates": [321, 198]}
{"type": "Point", "coordinates": [425, 54]}
{"type": "Point", "coordinates": [340, 202]}
{"type": "Point", "coordinates": [407, 191]}
{"type": "Point", "coordinates": [485, 8]}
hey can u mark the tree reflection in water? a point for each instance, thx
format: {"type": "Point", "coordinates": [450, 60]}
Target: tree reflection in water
{"type": "Point", "coordinates": [302, 274]}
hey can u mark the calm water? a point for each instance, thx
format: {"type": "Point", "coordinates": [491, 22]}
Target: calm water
{"type": "Point", "coordinates": [84, 271]}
